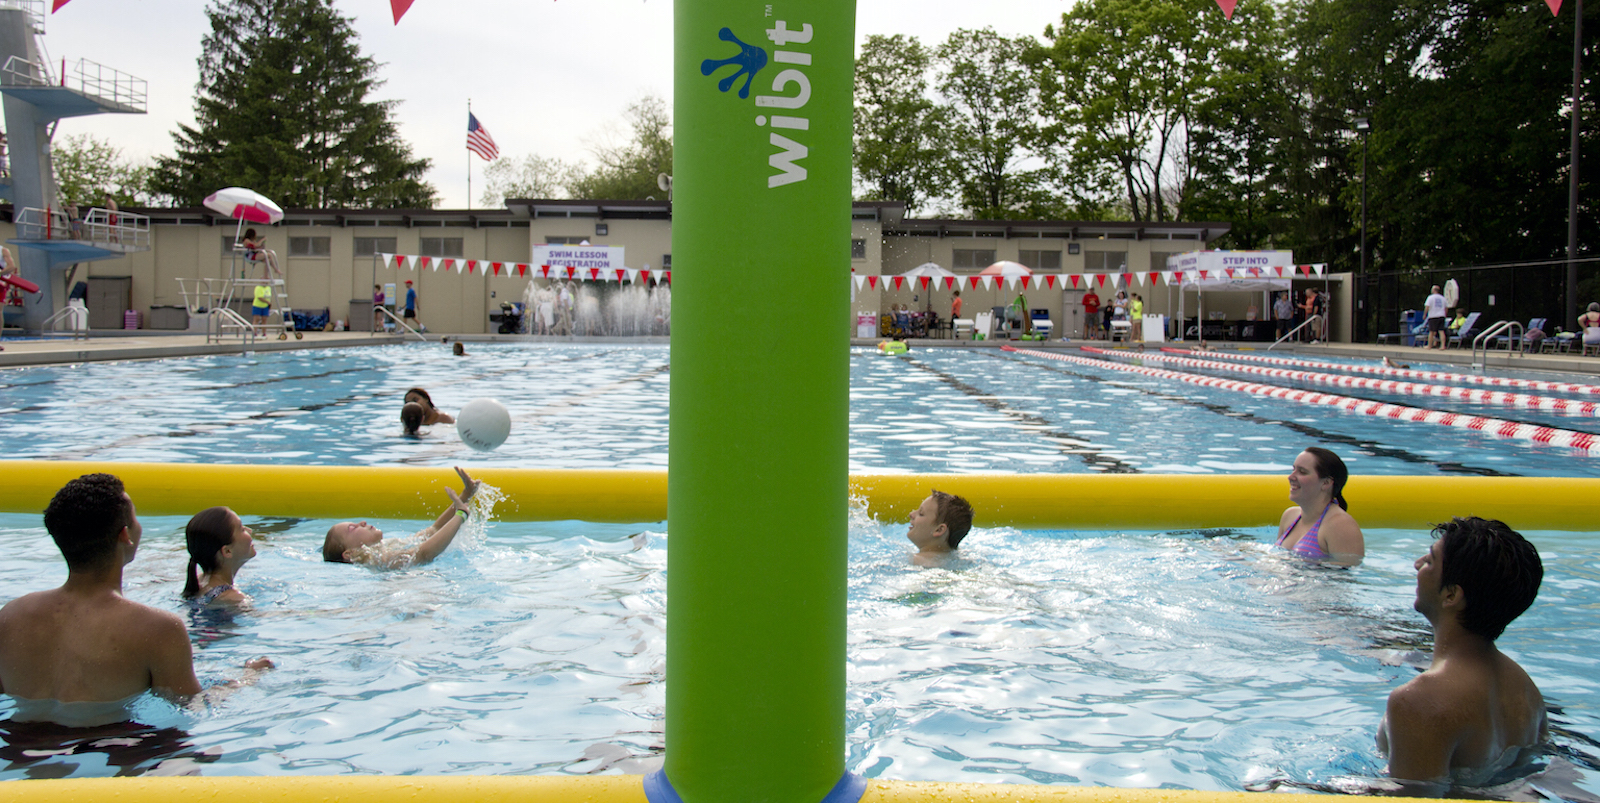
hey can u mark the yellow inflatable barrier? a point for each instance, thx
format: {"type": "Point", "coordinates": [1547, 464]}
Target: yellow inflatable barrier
{"type": "Point", "coordinates": [549, 789]}
{"type": "Point", "coordinates": [1038, 501]}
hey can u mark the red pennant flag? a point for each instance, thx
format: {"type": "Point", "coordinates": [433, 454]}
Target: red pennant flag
{"type": "Point", "coordinates": [1102, 278]}
{"type": "Point", "coordinates": [472, 265]}
{"type": "Point", "coordinates": [1555, 5]}
{"type": "Point", "coordinates": [427, 262]}
{"type": "Point", "coordinates": [1178, 275]}
{"type": "Point", "coordinates": [949, 281]}
{"type": "Point", "coordinates": [594, 274]}
{"type": "Point", "coordinates": [1153, 276]}
{"type": "Point", "coordinates": [1075, 279]}
{"type": "Point", "coordinates": [1225, 5]}
{"type": "Point", "coordinates": [572, 273]}
{"type": "Point", "coordinates": [972, 281]}
{"type": "Point", "coordinates": [1203, 274]}
{"type": "Point", "coordinates": [544, 270]}
{"type": "Point", "coordinates": [59, 3]}
{"type": "Point", "coordinates": [899, 280]}
{"type": "Point", "coordinates": [872, 282]}
{"type": "Point", "coordinates": [399, 7]}
{"type": "Point", "coordinates": [1050, 282]}
{"type": "Point", "coordinates": [399, 261]}
{"type": "Point", "coordinates": [666, 276]}
{"type": "Point", "coordinates": [522, 269]}
{"type": "Point", "coordinates": [1025, 282]}
{"type": "Point", "coordinates": [496, 267]}
{"type": "Point", "coordinates": [924, 282]}
{"type": "Point", "coordinates": [1305, 269]}
{"type": "Point", "coordinates": [620, 273]}
{"type": "Point", "coordinates": [644, 275]}
{"type": "Point", "coordinates": [1127, 280]}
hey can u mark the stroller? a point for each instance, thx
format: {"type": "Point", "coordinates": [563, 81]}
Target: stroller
{"type": "Point", "coordinates": [510, 317]}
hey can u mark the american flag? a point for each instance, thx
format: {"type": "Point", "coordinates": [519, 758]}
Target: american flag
{"type": "Point", "coordinates": [479, 141]}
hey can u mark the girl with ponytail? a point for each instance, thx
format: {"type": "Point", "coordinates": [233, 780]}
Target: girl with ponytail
{"type": "Point", "coordinates": [219, 544]}
{"type": "Point", "coordinates": [1317, 527]}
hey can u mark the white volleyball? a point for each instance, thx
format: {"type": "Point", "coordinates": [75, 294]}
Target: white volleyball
{"type": "Point", "coordinates": [484, 424]}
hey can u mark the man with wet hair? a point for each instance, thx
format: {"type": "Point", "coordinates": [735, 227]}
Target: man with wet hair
{"type": "Point", "coordinates": [1473, 710]}
{"type": "Point", "coordinates": [937, 527]}
{"type": "Point", "coordinates": [78, 655]}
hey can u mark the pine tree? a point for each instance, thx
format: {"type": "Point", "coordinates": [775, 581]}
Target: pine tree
{"type": "Point", "coordinates": [283, 108]}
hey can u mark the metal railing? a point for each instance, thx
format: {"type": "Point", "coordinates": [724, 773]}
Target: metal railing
{"type": "Point", "coordinates": [88, 77]}
{"type": "Point", "coordinates": [1492, 334]}
{"type": "Point", "coordinates": [402, 324]}
{"type": "Point", "coordinates": [100, 226]}
{"type": "Point", "coordinates": [52, 325]}
{"type": "Point", "coordinates": [221, 321]}
{"type": "Point", "coordinates": [1315, 319]}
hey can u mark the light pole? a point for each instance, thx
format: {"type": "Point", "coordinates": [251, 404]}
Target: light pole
{"type": "Point", "coordinates": [1363, 125]}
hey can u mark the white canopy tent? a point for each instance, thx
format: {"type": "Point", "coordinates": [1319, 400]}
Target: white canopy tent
{"type": "Point", "coordinates": [1231, 271]}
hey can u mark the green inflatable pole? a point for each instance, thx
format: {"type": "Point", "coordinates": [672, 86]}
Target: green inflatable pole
{"type": "Point", "coordinates": [757, 488]}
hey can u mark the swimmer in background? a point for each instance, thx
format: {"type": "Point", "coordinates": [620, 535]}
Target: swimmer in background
{"type": "Point", "coordinates": [1388, 363]}
{"type": "Point", "coordinates": [458, 349]}
{"type": "Point", "coordinates": [1474, 709]}
{"type": "Point", "coordinates": [79, 655]}
{"type": "Point", "coordinates": [937, 527]}
{"type": "Point", "coordinates": [360, 542]}
{"type": "Point", "coordinates": [1316, 527]}
{"type": "Point", "coordinates": [219, 545]}
{"type": "Point", "coordinates": [419, 412]}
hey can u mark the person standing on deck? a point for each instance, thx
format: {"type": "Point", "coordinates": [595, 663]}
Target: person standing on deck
{"type": "Point", "coordinates": [410, 312]}
{"type": "Point", "coordinates": [1435, 310]}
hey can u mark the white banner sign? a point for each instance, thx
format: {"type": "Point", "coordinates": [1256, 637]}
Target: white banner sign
{"type": "Point", "coordinates": [605, 258]}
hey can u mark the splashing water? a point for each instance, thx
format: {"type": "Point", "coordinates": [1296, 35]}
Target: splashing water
{"type": "Point", "coordinates": [597, 310]}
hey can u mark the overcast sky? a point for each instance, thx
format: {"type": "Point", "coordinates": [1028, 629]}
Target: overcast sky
{"type": "Point", "coordinates": [544, 77]}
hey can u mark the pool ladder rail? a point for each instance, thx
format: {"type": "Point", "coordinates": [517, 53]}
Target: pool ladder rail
{"type": "Point", "coordinates": [388, 313]}
{"type": "Point", "coordinates": [1493, 334]}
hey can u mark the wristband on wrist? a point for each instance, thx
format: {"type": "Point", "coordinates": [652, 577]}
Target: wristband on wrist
{"type": "Point", "coordinates": [462, 512]}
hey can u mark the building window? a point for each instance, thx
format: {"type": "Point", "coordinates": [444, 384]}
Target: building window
{"type": "Point", "coordinates": [442, 247]}
{"type": "Point", "coordinates": [1040, 260]}
{"type": "Point", "coordinates": [565, 240]}
{"type": "Point", "coordinates": [666, 261]}
{"type": "Point", "coordinates": [310, 246]}
{"type": "Point", "coordinates": [372, 246]}
{"type": "Point", "coordinates": [1158, 260]}
{"type": "Point", "coordinates": [858, 249]}
{"type": "Point", "coordinates": [973, 258]}
{"type": "Point", "coordinates": [602, 229]}
{"type": "Point", "coordinates": [1106, 261]}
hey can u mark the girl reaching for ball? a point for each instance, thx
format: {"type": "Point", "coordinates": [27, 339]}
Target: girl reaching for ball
{"type": "Point", "coordinates": [360, 542]}
{"type": "Point", "coordinates": [419, 412]}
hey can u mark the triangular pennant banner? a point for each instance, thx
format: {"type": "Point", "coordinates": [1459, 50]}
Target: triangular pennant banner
{"type": "Point", "coordinates": [1305, 270]}
{"type": "Point", "coordinates": [872, 281]}
{"type": "Point", "coordinates": [988, 282]}
{"type": "Point", "coordinates": [594, 274]}
{"type": "Point", "coordinates": [1227, 7]}
{"type": "Point", "coordinates": [860, 281]}
{"type": "Point", "coordinates": [1101, 278]}
{"type": "Point", "coordinates": [399, 7]}
{"type": "Point", "coordinates": [622, 273]}
{"type": "Point", "coordinates": [522, 269]}
{"type": "Point", "coordinates": [666, 276]}
{"type": "Point", "coordinates": [974, 281]}
{"type": "Point", "coordinates": [1555, 6]}
{"type": "Point", "coordinates": [1204, 275]}
{"type": "Point", "coordinates": [898, 281]}
{"type": "Point", "coordinates": [1050, 281]}
{"type": "Point", "coordinates": [949, 281]}
{"type": "Point", "coordinates": [1126, 280]}
{"type": "Point", "coordinates": [1025, 280]}
{"type": "Point", "coordinates": [427, 262]}
{"type": "Point", "coordinates": [924, 281]}
{"type": "Point", "coordinates": [1011, 282]}
{"type": "Point", "coordinates": [1178, 274]}
{"type": "Point", "coordinates": [472, 265]}
{"type": "Point", "coordinates": [1153, 276]}
{"type": "Point", "coordinates": [1319, 267]}
{"type": "Point", "coordinates": [399, 261]}
{"type": "Point", "coordinates": [572, 273]}
{"type": "Point", "coordinates": [1075, 278]}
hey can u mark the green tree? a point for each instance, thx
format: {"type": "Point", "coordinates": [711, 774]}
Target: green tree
{"type": "Point", "coordinates": [1120, 84]}
{"type": "Point", "coordinates": [87, 167]}
{"type": "Point", "coordinates": [992, 106]}
{"type": "Point", "coordinates": [900, 150]}
{"type": "Point", "coordinates": [629, 170]}
{"type": "Point", "coordinates": [531, 176]}
{"type": "Point", "coordinates": [283, 107]}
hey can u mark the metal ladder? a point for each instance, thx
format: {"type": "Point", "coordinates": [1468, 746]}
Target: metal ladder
{"type": "Point", "coordinates": [1489, 335]}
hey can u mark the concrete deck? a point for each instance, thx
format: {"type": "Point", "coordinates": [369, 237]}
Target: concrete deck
{"type": "Point", "coordinates": [145, 345]}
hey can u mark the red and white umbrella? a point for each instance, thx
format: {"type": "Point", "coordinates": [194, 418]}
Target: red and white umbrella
{"type": "Point", "coordinates": [1006, 269]}
{"type": "Point", "coordinates": [238, 202]}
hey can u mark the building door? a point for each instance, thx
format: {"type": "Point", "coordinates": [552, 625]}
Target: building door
{"type": "Point", "coordinates": [109, 297]}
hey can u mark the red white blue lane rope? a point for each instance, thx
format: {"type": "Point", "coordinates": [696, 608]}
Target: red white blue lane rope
{"type": "Point", "coordinates": [1582, 441]}
{"type": "Point", "coordinates": [1522, 400]}
{"type": "Point", "coordinates": [1403, 373]}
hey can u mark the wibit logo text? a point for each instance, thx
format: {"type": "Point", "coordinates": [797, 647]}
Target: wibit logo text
{"type": "Point", "coordinates": [791, 90]}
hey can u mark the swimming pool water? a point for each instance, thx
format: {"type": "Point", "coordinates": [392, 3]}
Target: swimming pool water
{"type": "Point", "coordinates": [1184, 659]}
{"type": "Point", "coordinates": [1181, 659]}
{"type": "Point", "coordinates": [601, 406]}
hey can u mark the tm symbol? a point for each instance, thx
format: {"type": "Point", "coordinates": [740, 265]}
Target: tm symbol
{"type": "Point", "coordinates": [769, 10]}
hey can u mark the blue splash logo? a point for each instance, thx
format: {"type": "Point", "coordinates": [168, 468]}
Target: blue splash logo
{"type": "Point", "coordinates": [749, 62]}
{"type": "Point", "coordinates": [784, 109]}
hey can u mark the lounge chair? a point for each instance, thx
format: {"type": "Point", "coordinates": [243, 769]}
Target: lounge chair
{"type": "Point", "coordinates": [1463, 336]}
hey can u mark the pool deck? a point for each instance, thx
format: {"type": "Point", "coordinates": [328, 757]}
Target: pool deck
{"type": "Point", "coordinates": [144, 345]}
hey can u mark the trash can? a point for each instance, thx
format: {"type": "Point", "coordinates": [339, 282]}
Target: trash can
{"type": "Point", "coordinates": [1408, 321]}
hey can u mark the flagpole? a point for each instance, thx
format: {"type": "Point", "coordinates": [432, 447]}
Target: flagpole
{"type": "Point", "coordinates": [469, 160]}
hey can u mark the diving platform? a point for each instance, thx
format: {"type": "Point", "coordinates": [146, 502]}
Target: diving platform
{"type": "Point", "coordinates": [84, 89]}
{"type": "Point", "coordinates": [102, 234]}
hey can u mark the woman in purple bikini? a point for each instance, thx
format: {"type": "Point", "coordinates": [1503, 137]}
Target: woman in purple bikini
{"type": "Point", "coordinates": [1316, 527]}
